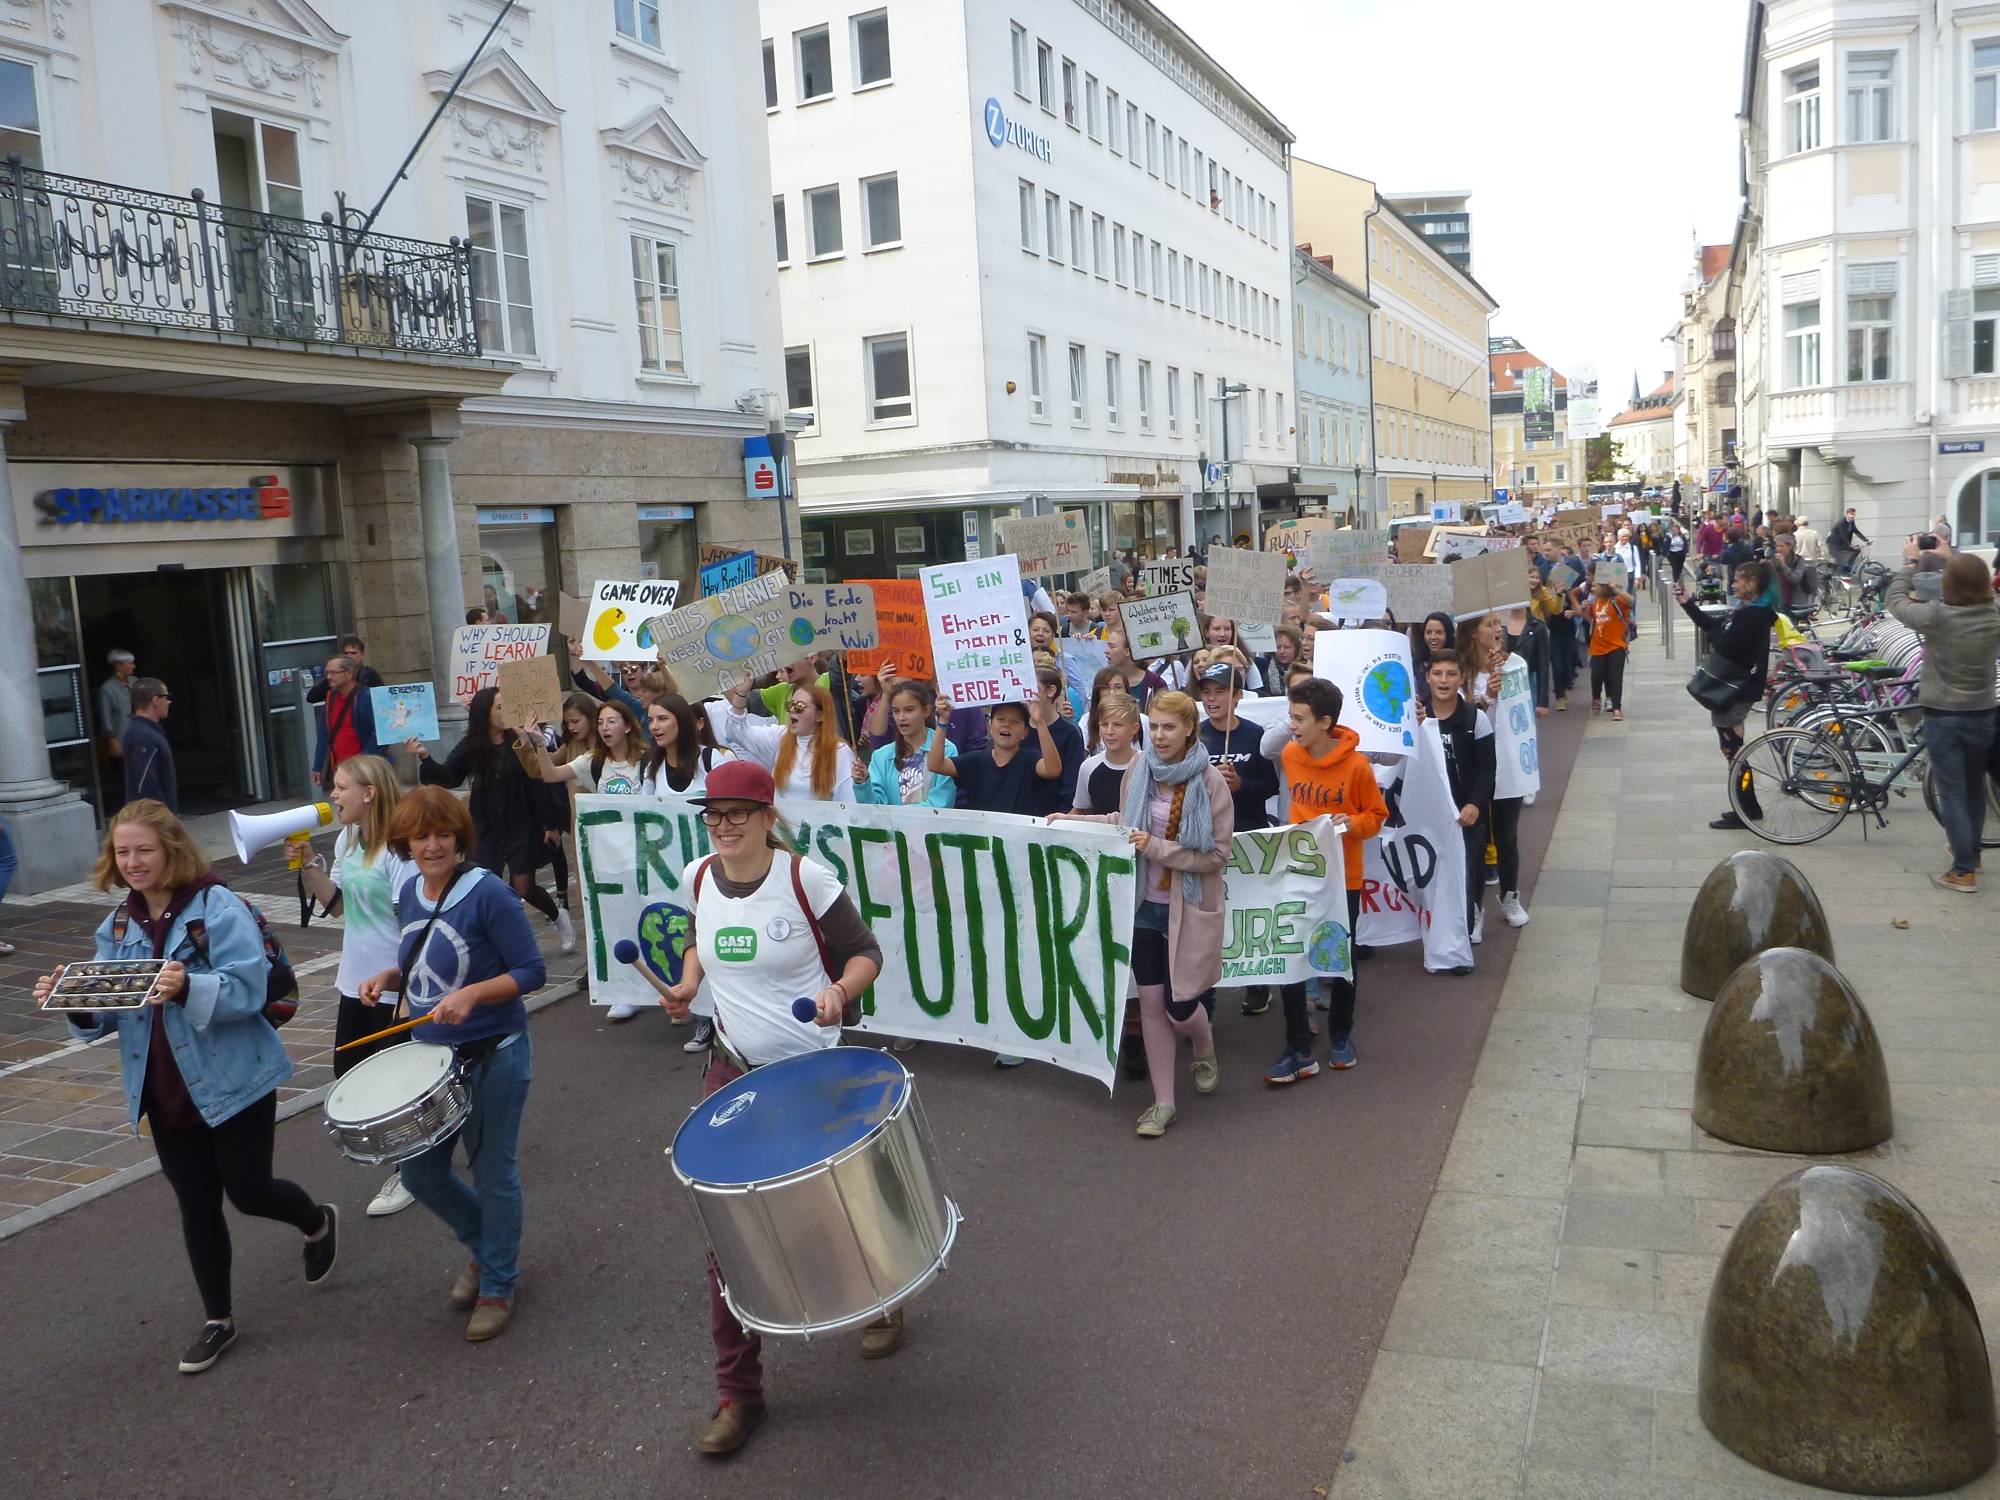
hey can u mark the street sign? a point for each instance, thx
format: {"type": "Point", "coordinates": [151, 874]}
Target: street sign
{"type": "Point", "coordinates": [1215, 474]}
{"type": "Point", "coordinates": [760, 469]}
{"type": "Point", "coordinates": [1963, 445]}
{"type": "Point", "coordinates": [1718, 477]}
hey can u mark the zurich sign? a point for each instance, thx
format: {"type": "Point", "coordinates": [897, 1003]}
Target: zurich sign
{"type": "Point", "coordinates": [1002, 131]}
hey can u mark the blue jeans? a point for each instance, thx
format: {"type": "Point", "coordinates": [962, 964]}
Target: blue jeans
{"type": "Point", "coordinates": [1958, 744]}
{"type": "Point", "coordinates": [8, 863]}
{"type": "Point", "coordinates": [486, 1213]}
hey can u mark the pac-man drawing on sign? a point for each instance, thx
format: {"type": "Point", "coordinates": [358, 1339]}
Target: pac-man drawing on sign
{"type": "Point", "coordinates": [605, 636]}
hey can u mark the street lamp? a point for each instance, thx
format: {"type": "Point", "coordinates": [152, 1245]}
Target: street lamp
{"type": "Point", "coordinates": [1224, 394]}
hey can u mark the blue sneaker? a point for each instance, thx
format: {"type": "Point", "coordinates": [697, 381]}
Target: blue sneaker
{"type": "Point", "coordinates": [1290, 1068]}
{"type": "Point", "coordinates": [1343, 1053]}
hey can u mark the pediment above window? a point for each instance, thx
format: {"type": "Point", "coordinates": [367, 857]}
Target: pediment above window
{"type": "Point", "coordinates": [282, 49]}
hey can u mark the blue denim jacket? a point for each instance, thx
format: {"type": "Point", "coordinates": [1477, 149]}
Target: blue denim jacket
{"type": "Point", "coordinates": [229, 1055]}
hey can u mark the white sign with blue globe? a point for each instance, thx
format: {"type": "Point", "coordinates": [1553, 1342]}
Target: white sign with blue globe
{"type": "Point", "coordinates": [1373, 672]}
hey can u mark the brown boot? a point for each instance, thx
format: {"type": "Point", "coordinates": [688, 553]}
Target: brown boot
{"type": "Point", "coordinates": [730, 1428]}
{"type": "Point", "coordinates": [490, 1317]}
{"type": "Point", "coordinates": [882, 1339]}
{"type": "Point", "coordinates": [465, 1290]}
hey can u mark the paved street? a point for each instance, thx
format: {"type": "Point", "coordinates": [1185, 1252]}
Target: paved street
{"type": "Point", "coordinates": [1195, 1315]}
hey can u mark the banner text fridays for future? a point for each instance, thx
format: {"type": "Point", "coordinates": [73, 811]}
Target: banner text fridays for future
{"type": "Point", "coordinates": [997, 932]}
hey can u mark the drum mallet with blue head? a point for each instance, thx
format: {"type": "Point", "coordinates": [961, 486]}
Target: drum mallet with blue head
{"type": "Point", "coordinates": [625, 951]}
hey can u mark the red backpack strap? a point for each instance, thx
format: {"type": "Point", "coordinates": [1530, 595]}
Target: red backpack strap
{"type": "Point", "coordinates": [699, 871]}
{"type": "Point", "coordinates": [812, 921]}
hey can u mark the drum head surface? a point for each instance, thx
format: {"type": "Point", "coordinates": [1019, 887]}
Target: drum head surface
{"type": "Point", "coordinates": [789, 1116]}
{"type": "Point", "coordinates": [391, 1078]}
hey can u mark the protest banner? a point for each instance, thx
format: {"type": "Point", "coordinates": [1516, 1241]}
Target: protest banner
{"type": "Point", "coordinates": [1498, 580]}
{"type": "Point", "coordinates": [403, 711]}
{"type": "Point", "coordinates": [1167, 577]}
{"type": "Point", "coordinates": [1045, 545]}
{"type": "Point", "coordinates": [997, 932]}
{"type": "Point", "coordinates": [727, 572]}
{"type": "Point", "coordinates": [1357, 599]}
{"type": "Point", "coordinates": [1160, 625]}
{"type": "Point", "coordinates": [1083, 657]}
{"type": "Point", "coordinates": [1096, 583]}
{"type": "Point", "coordinates": [1413, 873]}
{"type": "Point", "coordinates": [1373, 672]}
{"type": "Point", "coordinates": [619, 624]}
{"type": "Point", "coordinates": [841, 615]}
{"type": "Point", "coordinates": [1245, 586]}
{"type": "Point", "coordinates": [478, 650]}
{"type": "Point", "coordinates": [1285, 906]}
{"type": "Point", "coordinates": [979, 632]}
{"type": "Point", "coordinates": [902, 632]}
{"type": "Point", "coordinates": [531, 691]}
{"type": "Point", "coordinates": [1613, 571]}
{"type": "Point", "coordinates": [572, 614]}
{"type": "Point", "coordinates": [734, 637]}
{"type": "Point", "coordinates": [1516, 748]}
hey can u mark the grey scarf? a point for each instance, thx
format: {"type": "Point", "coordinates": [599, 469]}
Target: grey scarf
{"type": "Point", "coordinates": [1197, 830]}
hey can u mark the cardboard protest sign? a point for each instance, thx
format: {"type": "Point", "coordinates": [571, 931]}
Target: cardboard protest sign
{"type": "Point", "coordinates": [404, 710]}
{"type": "Point", "coordinates": [1256, 639]}
{"type": "Point", "coordinates": [478, 650]}
{"type": "Point", "coordinates": [1044, 545]}
{"type": "Point", "coordinates": [1412, 544]}
{"type": "Point", "coordinates": [726, 573]}
{"type": "Point", "coordinates": [1337, 554]}
{"type": "Point", "coordinates": [531, 691]}
{"type": "Point", "coordinates": [1513, 513]}
{"type": "Point", "coordinates": [708, 554]}
{"type": "Point", "coordinates": [979, 632]}
{"type": "Point", "coordinates": [1516, 749]}
{"type": "Point", "coordinates": [1414, 589]}
{"type": "Point", "coordinates": [1167, 577]}
{"type": "Point", "coordinates": [618, 626]}
{"type": "Point", "coordinates": [734, 637]}
{"type": "Point", "coordinates": [1372, 669]}
{"type": "Point", "coordinates": [1565, 576]}
{"type": "Point", "coordinates": [1463, 540]}
{"type": "Point", "coordinates": [1613, 571]}
{"type": "Point", "coordinates": [1160, 625]}
{"type": "Point", "coordinates": [1295, 536]}
{"type": "Point", "coordinates": [997, 932]}
{"type": "Point", "coordinates": [1498, 580]}
{"type": "Point", "coordinates": [902, 632]}
{"type": "Point", "coordinates": [1245, 586]}
{"type": "Point", "coordinates": [1083, 657]}
{"type": "Point", "coordinates": [1096, 583]}
{"type": "Point", "coordinates": [1413, 874]}
{"type": "Point", "coordinates": [1357, 599]}
{"type": "Point", "coordinates": [572, 614]}
{"type": "Point", "coordinates": [842, 615]}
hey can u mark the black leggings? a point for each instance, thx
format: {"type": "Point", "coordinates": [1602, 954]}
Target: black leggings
{"type": "Point", "coordinates": [1150, 966]}
{"type": "Point", "coordinates": [354, 1022]}
{"type": "Point", "coordinates": [1476, 841]}
{"type": "Point", "coordinates": [559, 868]}
{"type": "Point", "coordinates": [232, 1158]}
{"type": "Point", "coordinates": [1506, 814]}
{"type": "Point", "coordinates": [535, 896]}
{"type": "Point", "coordinates": [1297, 998]}
{"type": "Point", "coordinates": [1607, 678]}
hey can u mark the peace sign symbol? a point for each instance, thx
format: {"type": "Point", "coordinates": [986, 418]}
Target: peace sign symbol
{"type": "Point", "coordinates": [426, 984]}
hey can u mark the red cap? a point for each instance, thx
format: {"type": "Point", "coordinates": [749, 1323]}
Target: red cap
{"type": "Point", "coordinates": [738, 780]}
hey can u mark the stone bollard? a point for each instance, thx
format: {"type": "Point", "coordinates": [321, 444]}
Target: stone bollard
{"type": "Point", "coordinates": [1841, 1347]}
{"type": "Point", "coordinates": [1749, 902]}
{"type": "Point", "coordinates": [1790, 1061]}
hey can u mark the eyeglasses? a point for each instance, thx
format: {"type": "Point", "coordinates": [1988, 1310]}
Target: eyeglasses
{"type": "Point", "coordinates": [735, 817]}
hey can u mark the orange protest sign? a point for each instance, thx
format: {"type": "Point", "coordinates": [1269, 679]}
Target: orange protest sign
{"type": "Point", "coordinates": [903, 631]}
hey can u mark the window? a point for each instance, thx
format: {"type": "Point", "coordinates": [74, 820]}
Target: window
{"type": "Point", "coordinates": [656, 286]}
{"type": "Point", "coordinates": [20, 115]}
{"type": "Point", "coordinates": [1174, 278]}
{"type": "Point", "coordinates": [1078, 256]}
{"type": "Point", "coordinates": [823, 222]}
{"type": "Point", "coordinates": [1120, 266]}
{"type": "Point", "coordinates": [1133, 145]}
{"type": "Point", "coordinates": [1562, 477]}
{"type": "Point", "coordinates": [1069, 95]}
{"type": "Point", "coordinates": [498, 233]}
{"type": "Point", "coordinates": [257, 163]}
{"type": "Point", "coordinates": [1045, 76]}
{"type": "Point", "coordinates": [1986, 84]}
{"type": "Point", "coordinates": [1263, 417]}
{"type": "Point", "coordinates": [1871, 96]}
{"type": "Point", "coordinates": [1802, 109]}
{"type": "Point", "coordinates": [882, 207]}
{"type": "Point", "coordinates": [1533, 479]}
{"type": "Point", "coordinates": [799, 383]}
{"type": "Point", "coordinates": [1871, 318]}
{"type": "Point", "coordinates": [1020, 40]}
{"type": "Point", "coordinates": [1200, 401]}
{"type": "Point", "coordinates": [1802, 344]}
{"type": "Point", "coordinates": [1138, 263]}
{"type": "Point", "coordinates": [1173, 402]}
{"type": "Point", "coordinates": [1093, 112]}
{"type": "Point", "coordinates": [888, 371]}
{"type": "Point", "coordinates": [1026, 191]}
{"type": "Point", "coordinates": [1113, 378]}
{"type": "Point", "coordinates": [1281, 417]}
{"type": "Point", "coordinates": [1185, 178]}
{"type": "Point", "coordinates": [1985, 330]}
{"type": "Point", "coordinates": [1152, 146]}
{"type": "Point", "coordinates": [1097, 245]}
{"type": "Point", "coordinates": [1052, 226]}
{"type": "Point", "coordinates": [638, 19]}
{"type": "Point", "coordinates": [1079, 385]}
{"type": "Point", "coordinates": [1201, 278]}
{"type": "Point", "coordinates": [784, 235]}
{"type": "Point", "coordinates": [1111, 119]}
{"type": "Point", "coordinates": [871, 48]}
{"type": "Point", "coordinates": [770, 74]}
{"type": "Point", "coordinates": [1159, 280]}
{"type": "Point", "coordinates": [1228, 195]}
{"type": "Point", "coordinates": [1145, 395]}
{"type": "Point", "coordinates": [815, 52]}
{"type": "Point", "coordinates": [1724, 345]}
{"type": "Point", "coordinates": [1167, 156]}
{"type": "Point", "coordinates": [1038, 370]}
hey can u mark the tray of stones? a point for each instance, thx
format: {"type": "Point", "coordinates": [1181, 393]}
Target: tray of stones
{"type": "Point", "coordinates": [105, 984]}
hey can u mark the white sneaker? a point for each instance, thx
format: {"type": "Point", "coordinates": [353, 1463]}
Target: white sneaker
{"type": "Point", "coordinates": [1479, 925]}
{"type": "Point", "coordinates": [619, 1013]}
{"type": "Point", "coordinates": [393, 1198]}
{"type": "Point", "coordinates": [1512, 909]}
{"type": "Point", "coordinates": [566, 930]}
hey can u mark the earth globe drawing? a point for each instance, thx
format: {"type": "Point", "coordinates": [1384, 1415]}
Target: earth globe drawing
{"type": "Point", "coordinates": [1327, 949]}
{"type": "Point", "coordinates": [732, 638]}
{"type": "Point", "coordinates": [802, 632]}
{"type": "Point", "coordinates": [1385, 692]}
{"type": "Point", "coordinates": [666, 932]}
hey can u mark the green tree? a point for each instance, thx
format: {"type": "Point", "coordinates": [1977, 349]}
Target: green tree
{"type": "Point", "coordinates": [1602, 461]}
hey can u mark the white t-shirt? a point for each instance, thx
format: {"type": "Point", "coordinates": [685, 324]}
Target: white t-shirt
{"type": "Point", "coordinates": [617, 778]}
{"type": "Point", "coordinates": [758, 956]}
{"type": "Point", "coordinates": [368, 893]}
{"type": "Point", "coordinates": [657, 783]}
{"type": "Point", "coordinates": [759, 739]}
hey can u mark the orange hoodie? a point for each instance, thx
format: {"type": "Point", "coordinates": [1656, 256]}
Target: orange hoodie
{"type": "Point", "coordinates": [1340, 782]}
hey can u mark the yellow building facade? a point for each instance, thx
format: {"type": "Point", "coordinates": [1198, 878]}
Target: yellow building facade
{"type": "Point", "coordinates": [1428, 335]}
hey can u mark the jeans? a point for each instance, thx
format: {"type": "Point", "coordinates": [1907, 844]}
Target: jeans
{"type": "Point", "coordinates": [485, 1214]}
{"type": "Point", "coordinates": [1958, 744]}
{"type": "Point", "coordinates": [8, 862]}
{"type": "Point", "coordinates": [1506, 821]}
{"type": "Point", "coordinates": [1297, 999]}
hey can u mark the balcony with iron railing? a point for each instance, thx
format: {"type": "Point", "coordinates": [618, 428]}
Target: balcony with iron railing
{"type": "Point", "coordinates": [74, 248]}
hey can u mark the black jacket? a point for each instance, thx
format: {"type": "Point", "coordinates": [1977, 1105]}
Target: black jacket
{"type": "Point", "coordinates": [508, 807]}
{"type": "Point", "coordinates": [1468, 756]}
{"type": "Point", "coordinates": [149, 764]}
{"type": "Point", "coordinates": [1743, 636]}
{"type": "Point", "coordinates": [1259, 777]}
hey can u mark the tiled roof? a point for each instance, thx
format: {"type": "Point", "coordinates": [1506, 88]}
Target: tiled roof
{"type": "Point", "coordinates": [1714, 261]}
{"type": "Point", "coordinates": [1638, 414]}
{"type": "Point", "coordinates": [1507, 370]}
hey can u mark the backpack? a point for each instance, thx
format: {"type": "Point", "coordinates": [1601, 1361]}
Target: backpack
{"type": "Point", "coordinates": [852, 1013]}
{"type": "Point", "coordinates": [281, 981]}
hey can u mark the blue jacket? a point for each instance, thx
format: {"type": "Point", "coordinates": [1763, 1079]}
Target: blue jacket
{"type": "Point", "coordinates": [364, 727]}
{"type": "Point", "coordinates": [228, 1054]}
{"type": "Point", "coordinates": [481, 933]}
{"type": "Point", "coordinates": [884, 787]}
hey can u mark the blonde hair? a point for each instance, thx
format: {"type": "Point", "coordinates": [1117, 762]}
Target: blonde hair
{"type": "Point", "coordinates": [185, 861]}
{"type": "Point", "coordinates": [379, 777]}
{"type": "Point", "coordinates": [1176, 704]}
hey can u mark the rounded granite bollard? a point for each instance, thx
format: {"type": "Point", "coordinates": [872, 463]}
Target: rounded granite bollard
{"type": "Point", "coordinates": [1841, 1347]}
{"type": "Point", "coordinates": [1749, 902]}
{"type": "Point", "coordinates": [1789, 1060]}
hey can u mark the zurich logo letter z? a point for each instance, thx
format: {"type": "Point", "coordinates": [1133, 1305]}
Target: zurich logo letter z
{"type": "Point", "coordinates": [996, 122]}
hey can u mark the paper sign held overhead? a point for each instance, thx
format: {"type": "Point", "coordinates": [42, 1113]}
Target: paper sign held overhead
{"type": "Point", "coordinates": [1498, 580]}
{"type": "Point", "coordinates": [1246, 586]}
{"type": "Point", "coordinates": [979, 632]}
{"type": "Point", "coordinates": [1160, 625]}
{"type": "Point", "coordinates": [1096, 583]}
{"type": "Point", "coordinates": [1613, 571]}
{"type": "Point", "coordinates": [1046, 545]}
{"type": "Point", "coordinates": [734, 637]}
{"type": "Point", "coordinates": [616, 628]}
{"type": "Point", "coordinates": [842, 615]}
{"type": "Point", "coordinates": [404, 710]}
{"type": "Point", "coordinates": [478, 650]}
{"type": "Point", "coordinates": [1336, 554]}
{"type": "Point", "coordinates": [738, 567]}
{"type": "Point", "coordinates": [531, 692]}
{"type": "Point", "coordinates": [1372, 670]}
{"type": "Point", "coordinates": [1082, 659]}
{"type": "Point", "coordinates": [1165, 578]}
{"type": "Point", "coordinates": [572, 614]}
{"type": "Point", "coordinates": [902, 632]}
{"type": "Point", "coordinates": [1353, 599]}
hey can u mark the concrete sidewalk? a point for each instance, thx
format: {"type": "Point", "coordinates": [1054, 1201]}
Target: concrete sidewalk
{"type": "Point", "coordinates": [1546, 1338]}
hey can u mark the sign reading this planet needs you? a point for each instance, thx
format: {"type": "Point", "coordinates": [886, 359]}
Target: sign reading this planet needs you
{"type": "Point", "coordinates": [757, 627]}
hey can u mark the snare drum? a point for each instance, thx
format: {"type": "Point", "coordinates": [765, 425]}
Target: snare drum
{"type": "Point", "coordinates": [818, 1190]}
{"type": "Point", "coordinates": [402, 1100]}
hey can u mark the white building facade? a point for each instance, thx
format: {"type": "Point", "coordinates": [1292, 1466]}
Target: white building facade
{"type": "Point", "coordinates": [1024, 249]}
{"type": "Point", "coordinates": [1336, 467]}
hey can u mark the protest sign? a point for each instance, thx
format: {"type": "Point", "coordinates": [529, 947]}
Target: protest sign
{"type": "Point", "coordinates": [1285, 906]}
{"type": "Point", "coordinates": [1463, 540]}
{"type": "Point", "coordinates": [1167, 577]}
{"type": "Point", "coordinates": [1613, 571]}
{"type": "Point", "coordinates": [1256, 639]}
{"type": "Point", "coordinates": [1516, 749]}
{"type": "Point", "coordinates": [1160, 625]}
{"type": "Point", "coordinates": [979, 632]}
{"type": "Point", "coordinates": [1565, 576]}
{"type": "Point", "coordinates": [1447, 512]}
{"type": "Point", "coordinates": [619, 624]}
{"type": "Point", "coordinates": [1413, 873]}
{"type": "Point", "coordinates": [403, 711]}
{"type": "Point", "coordinates": [531, 691]}
{"type": "Point", "coordinates": [841, 615]}
{"type": "Point", "coordinates": [1513, 513]}
{"type": "Point", "coordinates": [726, 573]}
{"type": "Point", "coordinates": [1044, 545]}
{"type": "Point", "coordinates": [1295, 536]}
{"type": "Point", "coordinates": [902, 632]}
{"type": "Point", "coordinates": [478, 650]}
{"type": "Point", "coordinates": [1475, 546]}
{"type": "Point", "coordinates": [1414, 589]}
{"type": "Point", "coordinates": [1373, 672]}
{"type": "Point", "coordinates": [1498, 580]}
{"type": "Point", "coordinates": [1337, 554]}
{"type": "Point", "coordinates": [734, 637]}
{"type": "Point", "coordinates": [1245, 586]}
{"type": "Point", "coordinates": [1413, 544]}
{"type": "Point", "coordinates": [1083, 657]}
{"type": "Point", "coordinates": [572, 614]}
{"type": "Point", "coordinates": [1357, 599]}
{"type": "Point", "coordinates": [708, 554]}
{"type": "Point", "coordinates": [1611, 508]}
{"type": "Point", "coordinates": [1096, 583]}
{"type": "Point", "coordinates": [997, 932]}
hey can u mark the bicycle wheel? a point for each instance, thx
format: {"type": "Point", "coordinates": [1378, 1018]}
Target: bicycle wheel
{"type": "Point", "coordinates": [1858, 732]}
{"type": "Point", "coordinates": [1786, 700]}
{"type": "Point", "coordinates": [1989, 836]}
{"type": "Point", "coordinates": [1791, 786]}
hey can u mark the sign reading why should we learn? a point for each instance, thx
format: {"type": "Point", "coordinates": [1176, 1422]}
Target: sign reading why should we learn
{"type": "Point", "coordinates": [619, 624]}
{"type": "Point", "coordinates": [478, 650]}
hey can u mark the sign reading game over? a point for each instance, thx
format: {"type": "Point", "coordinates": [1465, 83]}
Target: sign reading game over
{"type": "Point", "coordinates": [618, 626]}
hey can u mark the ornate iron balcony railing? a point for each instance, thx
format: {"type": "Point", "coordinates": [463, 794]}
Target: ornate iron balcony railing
{"type": "Point", "coordinates": [75, 248]}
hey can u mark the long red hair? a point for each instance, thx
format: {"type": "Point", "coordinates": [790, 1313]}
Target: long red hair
{"type": "Point", "coordinates": [825, 745]}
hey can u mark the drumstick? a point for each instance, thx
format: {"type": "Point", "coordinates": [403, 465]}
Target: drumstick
{"type": "Point", "coordinates": [376, 1036]}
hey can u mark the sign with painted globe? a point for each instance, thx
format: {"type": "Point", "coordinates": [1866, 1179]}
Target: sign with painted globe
{"type": "Point", "coordinates": [1377, 685]}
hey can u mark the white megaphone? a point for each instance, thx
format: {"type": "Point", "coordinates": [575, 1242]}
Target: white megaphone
{"type": "Point", "coordinates": [253, 833]}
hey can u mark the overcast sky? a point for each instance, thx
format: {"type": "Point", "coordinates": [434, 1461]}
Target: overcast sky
{"type": "Point", "coordinates": [1597, 139]}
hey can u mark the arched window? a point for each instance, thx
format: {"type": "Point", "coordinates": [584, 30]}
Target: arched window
{"type": "Point", "coordinates": [1978, 519]}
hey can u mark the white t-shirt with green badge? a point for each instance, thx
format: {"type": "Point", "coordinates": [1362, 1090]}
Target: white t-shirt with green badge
{"type": "Point", "coordinates": [616, 778]}
{"type": "Point", "coordinates": [368, 892]}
